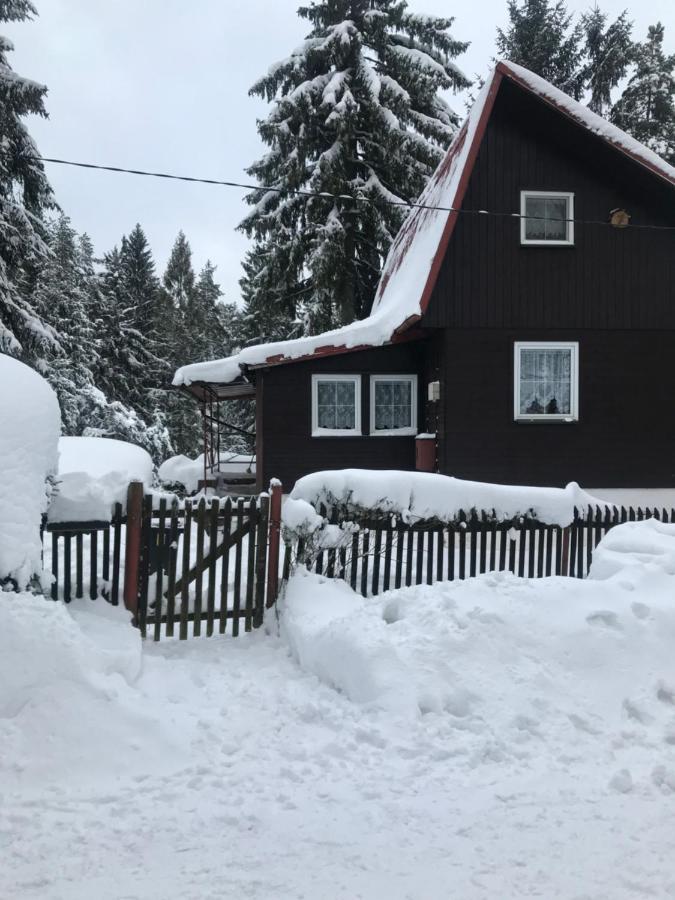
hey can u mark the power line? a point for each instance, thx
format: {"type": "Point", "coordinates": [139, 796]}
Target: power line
{"type": "Point", "coordinates": [326, 195]}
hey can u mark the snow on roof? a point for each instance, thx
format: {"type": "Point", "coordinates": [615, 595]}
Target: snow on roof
{"type": "Point", "coordinates": [412, 265]}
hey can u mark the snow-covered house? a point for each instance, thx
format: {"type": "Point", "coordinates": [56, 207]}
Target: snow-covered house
{"type": "Point", "coordinates": [525, 318]}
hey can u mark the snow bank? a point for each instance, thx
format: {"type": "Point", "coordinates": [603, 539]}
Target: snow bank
{"type": "Point", "coordinates": [554, 662]}
{"type": "Point", "coordinates": [423, 495]}
{"type": "Point", "coordinates": [67, 699]}
{"type": "Point", "coordinates": [94, 474]}
{"type": "Point", "coordinates": [30, 424]}
{"type": "Point", "coordinates": [635, 548]}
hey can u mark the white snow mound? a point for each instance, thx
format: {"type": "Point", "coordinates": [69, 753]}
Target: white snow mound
{"type": "Point", "coordinates": [555, 663]}
{"type": "Point", "coordinates": [68, 705]}
{"type": "Point", "coordinates": [635, 550]}
{"type": "Point", "coordinates": [94, 474]}
{"type": "Point", "coordinates": [30, 424]}
{"type": "Point", "coordinates": [424, 495]}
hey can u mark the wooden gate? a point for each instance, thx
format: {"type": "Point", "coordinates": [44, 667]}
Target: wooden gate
{"type": "Point", "coordinates": [198, 569]}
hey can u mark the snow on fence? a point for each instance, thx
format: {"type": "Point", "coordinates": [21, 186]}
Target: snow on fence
{"type": "Point", "coordinates": [374, 554]}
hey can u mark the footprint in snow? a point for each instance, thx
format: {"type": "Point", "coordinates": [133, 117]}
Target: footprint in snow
{"type": "Point", "coordinates": [622, 782]}
{"type": "Point", "coordinates": [604, 617]}
{"type": "Point", "coordinates": [640, 610]}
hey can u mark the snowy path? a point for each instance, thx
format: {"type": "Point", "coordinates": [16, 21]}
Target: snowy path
{"type": "Point", "coordinates": [273, 785]}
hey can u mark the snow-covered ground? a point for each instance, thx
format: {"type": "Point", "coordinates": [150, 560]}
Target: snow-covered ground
{"type": "Point", "coordinates": [492, 738]}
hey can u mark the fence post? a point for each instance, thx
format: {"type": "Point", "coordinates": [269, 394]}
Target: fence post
{"type": "Point", "coordinates": [274, 540]}
{"type": "Point", "coordinates": [132, 565]}
{"type": "Point", "coordinates": [565, 556]}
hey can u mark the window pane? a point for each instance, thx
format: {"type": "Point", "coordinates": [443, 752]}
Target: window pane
{"type": "Point", "coordinates": [546, 382]}
{"type": "Point", "coordinates": [535, 228]}
{"type": "Point", "coordinates": [547, 218]}
{"type": "Point", "coordinates": [393, 405]}
{"type": "Point", "coordinates": [336, 404]}
{"type": "Point", "coordinates": [556, 214]}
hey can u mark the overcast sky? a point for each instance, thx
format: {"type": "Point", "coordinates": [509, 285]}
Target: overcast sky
{"type": "Point", "coordinates": [163, 85]}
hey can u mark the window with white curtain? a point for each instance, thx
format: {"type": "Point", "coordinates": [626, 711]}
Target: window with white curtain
{"type": "Point", "coordinates": [393, 405]}
{"type": "Point", "coordinates": [546, 218]}
{"type": "Point", "coordinates": [336, 405]}
{"type": "Point", "coordinates": [546, 381]}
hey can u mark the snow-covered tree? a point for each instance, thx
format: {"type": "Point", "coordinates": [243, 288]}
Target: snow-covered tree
{"type": "Point", "coordinates": [357, 112]}
{"type": "Point", "coordinates": [541, 37]}
{"type": "Point", "coordinates": [646, 108]}
{"type": "Point", "coordinates": [25, 195]}
{"type": "Point", "coordinates": [179, 277]}
{"type": "Point", "coordinates": [608, 54]}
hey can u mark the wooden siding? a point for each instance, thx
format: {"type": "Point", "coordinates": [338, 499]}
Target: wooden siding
{"type": "Point", "coordinates": [611, 278]}
{"type": "Point", "coordinates": [287, 448]}
{"type": "Point", "coordinates": [625, 436]}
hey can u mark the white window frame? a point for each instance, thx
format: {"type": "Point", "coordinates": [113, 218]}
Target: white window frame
{"type": "Point", "coordinates": [525, 241]}
{"type": "Point", "coordinates": [394, 432]}
{"type": "Point", "coordinates": [573, 415]}
{"type": "Point", "coordinates": [336, 432]}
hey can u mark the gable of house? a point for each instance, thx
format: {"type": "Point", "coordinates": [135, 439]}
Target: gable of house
{"type": "Point", "coordinates": [607, 278]}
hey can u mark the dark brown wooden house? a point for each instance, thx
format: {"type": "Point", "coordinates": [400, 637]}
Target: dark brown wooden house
{"type": "Point", "coordinates": [525, 318]}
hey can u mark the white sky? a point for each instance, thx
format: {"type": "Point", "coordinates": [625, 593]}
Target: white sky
{"type": "Point", "coordinates": [163, 85]}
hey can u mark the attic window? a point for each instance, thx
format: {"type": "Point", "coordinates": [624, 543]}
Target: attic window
{"type": "Point", "coordinates": [546, 218]}
{"type": "Point", "coordinates": [336, 405]}
{"type": "Point", "coordinates": [546, 381]}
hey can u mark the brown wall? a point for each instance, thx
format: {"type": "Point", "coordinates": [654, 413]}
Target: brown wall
{"type": "Point", "coordinates": [625, 436]}
{"type": "Point", "coordinates": [610, 278]}
{"type": "Point", "coordinates": [288, 449]}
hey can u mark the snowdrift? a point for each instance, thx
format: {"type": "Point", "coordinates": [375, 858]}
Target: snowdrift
{"type": "Point", "coordinates": [423, 495]}
{"type": "Point", "coordinates": [554, 666]}
{"type": "Point", "coordinates": [94, 474]}
{"type": "Point", "coordinates": [30, 424]}
{"type": "Point", "coordinates": [69, 708]}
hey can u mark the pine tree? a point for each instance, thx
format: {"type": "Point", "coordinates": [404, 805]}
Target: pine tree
{"type": "Point", "coordinates": [60, 296]}
{"type": "Point", "coordinates": [25, 195]}
{"type": "Point", "coordinates": [608, 54]}
{"type": "Point", "coordinates": [646, 108]}
{"type": "Point", "coordinates": [357, 111]}
{"type": "Point", "coordinates": [540, 36]}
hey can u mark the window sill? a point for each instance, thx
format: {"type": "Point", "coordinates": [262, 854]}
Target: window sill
{"type": "Point", "coordinates": [336, 433]}
{"type": "Point", "coordinates": [396, 432]}
{"type": "Point", "coordinates": [546, 420]}
{"type": "Point", "coordinates": [547, 243]}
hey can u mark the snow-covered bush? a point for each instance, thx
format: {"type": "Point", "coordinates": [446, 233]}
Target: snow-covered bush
{"type": "Point", "coordinates": [414, 496]}
{"type": "Point", "coordinates": [30, 424]}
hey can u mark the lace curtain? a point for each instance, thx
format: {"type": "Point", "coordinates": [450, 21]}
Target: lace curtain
{"type": "Point", "coordinates": [393, 405]}
{"type": "Point", "coordinates": [336, 404]}
{"type": "Point", "coordinates": [548, 222]}
{"type": "Point", "coordinates": [546, 382]}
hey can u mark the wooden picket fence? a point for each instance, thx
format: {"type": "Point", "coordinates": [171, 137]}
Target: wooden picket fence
{"type": "Point", "coordinates": [86, 558]}
{"type": "Point", "coordinates": [381, 555]}
{"type": "Point", "coordinates": [181, 568]}
{"type": "Point", "coordinates": [191, 569]}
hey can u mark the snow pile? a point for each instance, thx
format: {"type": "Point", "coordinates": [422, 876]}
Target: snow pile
{"type": "Point", "coordinates": [189, 472]}
{"type": "Point", "coordinates": [30, 424]}
{"type": "Point", "coordinates": [299, 517]}
{"type": "Point", "coordinates": [554, 666]}
{"type": "Point", "coordinates": [94, 474]}
{"type": "Point", "coordinates": [67, 697]}
{"type": "Point", "coordinates": [634, 549]}
{"type": "Point", "coordinates": [182, 470]}
{"type": "Point", "coordinates": [424, 495]}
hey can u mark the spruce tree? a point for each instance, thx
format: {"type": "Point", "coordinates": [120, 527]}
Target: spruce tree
{"type": "Point", "coordinates": [358, 112]}
{"type": "Point", "coordinates": [25, 195]}
{"type": "Point", "coordinates": [608, 54]}
{"type": "Point", "coordinates": [646, 108]}
{"type": "Point", "coordinates": [540, 37]}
